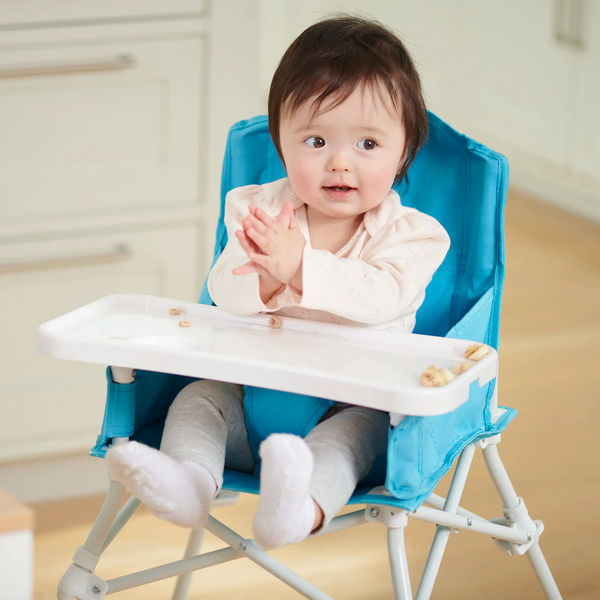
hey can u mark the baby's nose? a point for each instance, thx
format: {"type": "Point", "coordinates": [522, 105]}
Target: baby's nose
{"type": "Point", "coordinates": [338, 162]}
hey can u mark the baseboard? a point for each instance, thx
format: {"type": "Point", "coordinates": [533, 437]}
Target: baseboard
{"type": "Point", "coordinates": [57, 478]}
{"type": "Point", "coordinates": [566, 196]}
{"type": "Point", "coordinates": [557, 184]}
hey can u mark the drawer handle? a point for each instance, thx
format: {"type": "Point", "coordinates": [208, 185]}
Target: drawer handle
{"type": "Point", "coordinates": [115, 64]}
{"type": "Point", "coordinates": [118, 254]}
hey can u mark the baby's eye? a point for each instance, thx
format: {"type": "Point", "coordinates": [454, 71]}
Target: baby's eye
{"type": "Point", "coordinates": [367, 144]}
{"type": "Point", "coordinates": [315, 142]}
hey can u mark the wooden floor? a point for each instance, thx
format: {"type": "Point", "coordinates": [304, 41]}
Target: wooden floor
{"type": "Point", "coordinates": [550, 341]}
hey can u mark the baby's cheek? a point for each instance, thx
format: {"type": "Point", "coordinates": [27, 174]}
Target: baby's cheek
{"type": "Point", "coordinates": [301, 179]}
{"type": "Point", "coordinates": [381, 179]}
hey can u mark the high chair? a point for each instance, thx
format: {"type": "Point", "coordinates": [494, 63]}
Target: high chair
{"type": "Point", "coordinates": [463, 185]}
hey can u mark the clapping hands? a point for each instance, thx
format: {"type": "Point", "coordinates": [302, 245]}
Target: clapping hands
{"type": "Point", "coordinates": [274, 246]}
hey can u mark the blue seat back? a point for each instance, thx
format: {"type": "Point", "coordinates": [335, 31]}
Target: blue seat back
{"type": "Point", "coordinates": [454, 179]}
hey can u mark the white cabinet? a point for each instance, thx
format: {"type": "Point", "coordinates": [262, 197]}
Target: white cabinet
{"type": "Point", "coordinates": [50, 12]}
{"type": "Point", "coordinates": [110, 123]}
{"type": "Point", "coordinates": [113, 122]}
{"type": "Point", "coordinates": [102, 190]}
{"type": "Point", "coordinates": [50, 406]}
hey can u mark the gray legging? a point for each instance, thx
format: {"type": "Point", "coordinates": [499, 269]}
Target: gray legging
{"type": "Point", "coordinates": [206, 425]}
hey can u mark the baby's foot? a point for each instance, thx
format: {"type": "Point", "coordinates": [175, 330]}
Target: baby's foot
{"type": "Point", "coordinates": [180, 493]}
{"type": "Point", "coordinates": [286, 511]}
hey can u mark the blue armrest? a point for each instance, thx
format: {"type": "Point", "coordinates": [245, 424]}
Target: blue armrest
{"type": "Point", "coordinates": [421, 450]}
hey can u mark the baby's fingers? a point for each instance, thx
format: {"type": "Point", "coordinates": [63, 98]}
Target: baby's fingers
{"type": "Point", "coordinates": [249, 267]}
{"type": "Point", "coordinates": [259, 239]}
{"type": "Point", "coordinates": [255, 223]}
{"type": "Point", "coordinates": [285, 216]}
{"type": "Point", "coordinates": [260, 214]}
{"type": "Point", "coordinates": [263, 261]}
{"type": "Point", "coordinates": [246, 243]}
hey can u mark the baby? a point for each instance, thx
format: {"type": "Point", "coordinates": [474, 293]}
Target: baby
{"type": "Point", "coordinates": [331, 242]}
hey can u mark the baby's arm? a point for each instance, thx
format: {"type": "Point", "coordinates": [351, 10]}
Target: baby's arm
{"type": "Point", "coordinates": [389, 279]}
{"type": "Point", "coordinates": [268, 288]}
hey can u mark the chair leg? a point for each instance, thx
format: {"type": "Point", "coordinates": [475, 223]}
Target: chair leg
{"type": "Point", "coordinates": [193, 547]}
{"type": "Point", "coordinates": [398, 564]}
{"type": "Point", "coordinates": [510, 504]}
{"type": "Point", "coordinates": [442, 533]}
{"type": "Point", "coordinates": [105, 518]}
{"type": "Point", "coordinates": [121, 520]}
{"type": "Point", "coordinates": [542, 570]}
{"type": "Point", "coordinates": [79, 577]}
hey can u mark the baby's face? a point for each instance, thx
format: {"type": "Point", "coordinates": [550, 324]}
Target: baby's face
{"type": "Point", "coordinates": [344, 162]}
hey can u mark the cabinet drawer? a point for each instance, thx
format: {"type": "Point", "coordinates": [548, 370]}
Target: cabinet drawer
{"type": "Point", "coordinates": [17, 12]}
{"type": "Point", "coordinates": [50, 406]}
{"type": "Point", "coordinates": [112, 124]}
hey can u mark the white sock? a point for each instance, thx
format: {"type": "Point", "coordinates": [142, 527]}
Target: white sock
{"type": "Point", "coordinates": [286, 511]}
{"type": "Point", "coordinates": [180, 493]}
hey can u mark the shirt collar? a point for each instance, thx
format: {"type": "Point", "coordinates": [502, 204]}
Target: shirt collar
{"type": "Point", "coordinates": [277, 192]}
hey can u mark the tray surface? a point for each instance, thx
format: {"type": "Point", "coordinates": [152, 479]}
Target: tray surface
{"type": "Point", "coordinates": [358, 365]}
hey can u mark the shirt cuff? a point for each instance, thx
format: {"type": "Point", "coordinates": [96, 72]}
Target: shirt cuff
{"type": "Point", "coordinates": [287, 296]}
{"type": "Point", "coordinates": [316, 278]}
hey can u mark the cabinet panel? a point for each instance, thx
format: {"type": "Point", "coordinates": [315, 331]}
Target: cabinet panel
{"type": "Point", "coordinates": [17, 12]}
{"type": "Point", "coordinates": [52, 406]}
{"type": "Point", "coordinates": [103, 124]}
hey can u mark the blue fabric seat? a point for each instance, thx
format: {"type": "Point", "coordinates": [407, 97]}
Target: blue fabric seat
{"type": "Point", "coordinates": [462, 184]}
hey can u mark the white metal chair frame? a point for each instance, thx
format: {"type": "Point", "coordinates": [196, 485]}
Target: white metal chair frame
{"type": "Point", "coordinates": [515, 532]}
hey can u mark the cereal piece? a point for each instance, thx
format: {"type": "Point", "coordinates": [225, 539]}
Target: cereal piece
{"type": "Point", "coordinates": [461, 367]}
{"type": "Point", "coordinates": [427, 376]}
{"type": "Point", "coordinates": [434, 377]}
{"type": "Point", "coordinates": [477, 351]}
{"type": "Point", "coordinates": [275, 322]}
{"type": "Point", "coordinates": [184, 323]}
{"type": "Point", "coordinates": [173, 311]}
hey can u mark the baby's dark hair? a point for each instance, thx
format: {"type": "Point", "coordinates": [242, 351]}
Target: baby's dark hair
{"type": "Point", "coordinates": [333, 57]}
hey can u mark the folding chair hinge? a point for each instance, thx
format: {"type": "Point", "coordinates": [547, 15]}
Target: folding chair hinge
{"type": "Point", "coordinates": [494, 439]}
{"type": "Point", "coordinates": [79, 583]}
{"type": "Point", "coordinates": [518, 518]}
{"type": "Point", "coordinates": [86, 559]}
{"type": "Point", "coordinates": [390, 516]}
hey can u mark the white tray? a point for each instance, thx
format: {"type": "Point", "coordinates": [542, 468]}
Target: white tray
{"type": "Point", "coordinates": [356, 365]}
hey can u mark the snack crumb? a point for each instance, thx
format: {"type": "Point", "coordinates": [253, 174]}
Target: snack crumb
{"type": "Point", "coordinates": [173, 311]}
{"type": "Point", "coordinates": [477, 351]}
{"type": "Point", "coordinates": [434, 377]}
{"type": "Point", "coordinates": [461, 367]}
{"type": "Point", "coordinates": [184, 323]}
{"type": "Point", "coordinates": [275, 322]}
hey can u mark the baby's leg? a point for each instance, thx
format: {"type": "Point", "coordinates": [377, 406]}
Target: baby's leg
{"type": "Point", "coordinates": [324, 468]}
{"type": "Point", "coordinates": [179, 482]}
{"type": "Point", "coordinates": [344, 448]}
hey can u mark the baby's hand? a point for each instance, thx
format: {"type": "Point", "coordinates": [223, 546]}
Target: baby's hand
{"type": "Point", "coordinates": [283, 218]}
{"type": "Point", "coordinates": [249, 247]}
{"type": "Point", "coordinates": [281, 248]}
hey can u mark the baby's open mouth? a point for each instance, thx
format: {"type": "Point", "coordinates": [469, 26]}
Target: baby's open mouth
{"type": "Point", "coordinates": [339, 188]}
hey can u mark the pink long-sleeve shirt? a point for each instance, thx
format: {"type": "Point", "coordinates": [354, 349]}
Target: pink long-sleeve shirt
{"type": "Point", "coordinates": [377, 279]}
